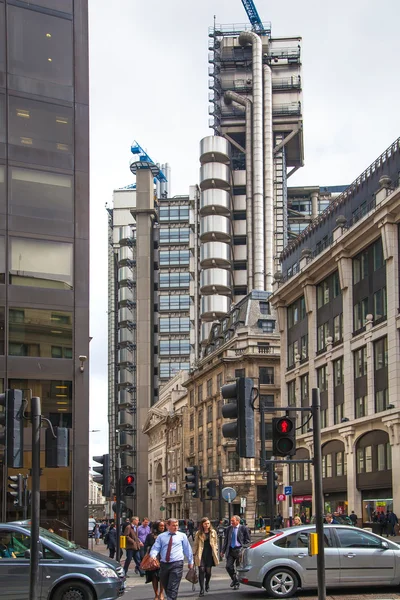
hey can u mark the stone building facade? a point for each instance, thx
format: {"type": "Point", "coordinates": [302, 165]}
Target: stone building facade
{"type": "Point", "coordinates": [337, 302]}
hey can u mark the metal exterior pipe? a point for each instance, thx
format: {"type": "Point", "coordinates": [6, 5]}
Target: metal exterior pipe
{"type": "Point", "coordinates": [268, 180]}
{"type": "Point", "coordinates": [246, 102]}
{"type": "Point", "coordinates": [248, 37]}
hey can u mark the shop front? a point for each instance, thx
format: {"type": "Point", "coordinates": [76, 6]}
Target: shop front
{"type": "Point", "coordinates": [303, 505]}
{"type": "Point", "coordinates": [336, 503]}
{"type": "Point", "coordinates": [375, 502]}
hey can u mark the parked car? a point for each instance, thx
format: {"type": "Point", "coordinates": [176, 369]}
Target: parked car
{"type": "Point", "coordinates": [353, 558]}
{"type": "Point", "coordinates": [66, 570]}
{"type": "Point", "coordinates": [341, 519]}
{"type": "Point", "coordinates": [91, 524]}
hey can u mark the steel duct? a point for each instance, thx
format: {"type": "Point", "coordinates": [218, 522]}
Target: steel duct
{"type": "Point", "coordinates": [246, 102]}
{"type": "Point", "coordinates": [268, 180]}
{"type": "Point", "coordinates": [248, 37]}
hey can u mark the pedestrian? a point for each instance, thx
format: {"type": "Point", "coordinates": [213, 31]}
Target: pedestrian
{"type": "Point", "coordinates": [110, 539]}
{"type": "Point", "coordinates": [143, 531]}
{"type": "Point", "coordinates": [330, 520]}
{"type": "Point", "coordinates": [391, 520]}
{"type": "Point", "coordinates": [205, 552]}
{"type": "Point", "coordinates": [303, 518]}
{"type": "Point", "coordinates": [154, 576]}
{"type": "Point", "coordinates": [190, 526]}
{"type": "Point", "coordinates": [103, 528]}
{"type": "Point", "coordinates": [353, 518]}
{"type": "Point", "coordinates": [297, 521]}
{"type": "Point", "coordinates": [133, 545]}
{"type": "Point", "coordinates": [96, 534]}
{"type": "Point", "coordinates": [236, 536]}
{"type": "Point", "coordinates": [382, 522]}
{"type": "Point", "coordinates": [172, 546]}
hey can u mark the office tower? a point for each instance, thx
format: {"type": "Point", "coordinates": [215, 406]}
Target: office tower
{"type": "Point", "coordinates": [44, 239]}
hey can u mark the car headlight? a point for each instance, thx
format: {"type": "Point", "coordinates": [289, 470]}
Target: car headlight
{"type": "Point", "coordinates": [107, 573]}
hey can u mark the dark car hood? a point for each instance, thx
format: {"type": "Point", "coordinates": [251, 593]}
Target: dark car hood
{"type": "Point", "coordinates": [97, 556]}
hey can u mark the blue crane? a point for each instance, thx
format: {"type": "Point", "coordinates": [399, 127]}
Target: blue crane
{"type": "Point", "coordinates": [253, 15]}
{"type": "Point", "coordinates": [146, 161]}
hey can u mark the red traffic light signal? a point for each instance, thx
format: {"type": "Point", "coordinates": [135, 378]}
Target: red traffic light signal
{"type": "Point", "coordinates": [283, 436]}
{"type": "Point", "coordinates": [284, 425]}
{"type": "Point", "coordinates": [128, 485]}
{"type": "Point", "coordinates": [129, 479]}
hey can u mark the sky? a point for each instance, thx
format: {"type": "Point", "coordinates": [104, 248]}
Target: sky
{"type": "Point", "coordinates": [149, 82]}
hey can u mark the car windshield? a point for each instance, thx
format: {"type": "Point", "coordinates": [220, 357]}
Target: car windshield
{"type": "Point", "coordinates": [57, 539]}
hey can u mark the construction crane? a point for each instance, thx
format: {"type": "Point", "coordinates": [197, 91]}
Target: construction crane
{"type": "Point", "coordinates": [253, 15]}
{"type": "Point", "coordinates": [144, 162]}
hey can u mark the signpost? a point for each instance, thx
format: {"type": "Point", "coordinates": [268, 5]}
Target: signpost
{"type": "Point", "coordinates": [228, 495]}
{"type": "Point", "coordinates": [288, 490]}
{"type": "Point", "coordinates": [281, 497]}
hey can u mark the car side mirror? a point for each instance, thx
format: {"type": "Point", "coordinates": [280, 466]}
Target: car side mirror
{"type": "Point", "coordinates": [384, 546]}
{"type": "Point", "coordinates": [27, 554]}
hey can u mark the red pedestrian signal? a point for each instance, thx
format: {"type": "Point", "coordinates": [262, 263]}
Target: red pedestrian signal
{"type": "Point", "coordinates": [283, 436]}
{"type": "Point", "coordinates": [284, 425]}
{"type": "Point", "coordinates": [128, 485]}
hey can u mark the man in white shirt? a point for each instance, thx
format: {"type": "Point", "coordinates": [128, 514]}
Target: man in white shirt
{"type": "Point", "coordinates": [236, 536]}
{"type": "Point", "coordinates": [172, 546]}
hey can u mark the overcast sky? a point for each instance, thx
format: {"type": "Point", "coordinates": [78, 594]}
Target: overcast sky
{"type": "Point", "coordinates": [149, 82]}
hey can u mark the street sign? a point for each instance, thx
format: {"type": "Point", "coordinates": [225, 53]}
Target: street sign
{"type": "Point", "coordinates": [242, 502]}
{"type": "Point", "coordinates": [288, 490]}
{"type": "Point", "coordinates": [162, 508]}
{"type": "Point", "coordinates": [229, 494]}
{"type": "Point", "coordinates": [281, 497]}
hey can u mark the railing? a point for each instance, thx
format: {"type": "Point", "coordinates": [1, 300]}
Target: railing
{"type": "Point", "coordinates": [235, 28]}
{"type": "Point", "coordinates": [255, 349]}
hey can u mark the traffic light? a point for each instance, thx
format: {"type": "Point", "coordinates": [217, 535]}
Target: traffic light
{"type": "Point", "coordinates": [192, 480]}
{"type": "Point", "coordinates": [57, 448]}
{"type": "Point", "coordinates": [274, 481]}
{"type": "Point", "coordinates": [104, 473]}
{"type": "Point", "coordinates": [241, 409]}
{"type": "Point", "coordinates": [128, 485]}
{"type": "Point", "coordinates": [283, 436]}
{"type": "Point", "coordinates": [13, 435]}
{"type": "Point", "coordinates": [211, 489]}
{"type": "Point", "coordinates": [17, 489]}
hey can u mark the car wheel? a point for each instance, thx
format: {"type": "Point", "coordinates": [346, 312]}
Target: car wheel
{"type": "Point", "coordinates": [281, 583]}
{"type": "Point", "coordinates": [73, 590]}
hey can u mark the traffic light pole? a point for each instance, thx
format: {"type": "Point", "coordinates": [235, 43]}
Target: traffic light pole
{"type": "Point", "coordinates": [118, 503]}
{"type": "Point", "coordinates": [271, 493]}
{"type": "Point", "coordinates": [220, 486]}
{"type": "Point", "coordinates": [319, 523]}
{"type": "Point", "coordinates": [35, 518]}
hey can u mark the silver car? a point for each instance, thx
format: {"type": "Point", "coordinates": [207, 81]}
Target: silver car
{"type": "Point", "coordinates": [353, 557]}
{"type": "Point", "coordinates": [66, 571]}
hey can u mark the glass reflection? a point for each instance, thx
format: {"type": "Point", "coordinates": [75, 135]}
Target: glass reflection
{"type": "Point", "coordinates": [37, 332]}
{"type": "Point", "coordinates": [41, 263]}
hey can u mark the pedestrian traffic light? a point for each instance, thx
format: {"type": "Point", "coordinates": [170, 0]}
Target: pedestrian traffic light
{"type": "Point", "coordinates": [192, 480]}
{"type": "Point", "coordinates": [128, 485]}
{"type": "Point", "coordinates": [12, 420]}
{"type": "Point", "coordinates": [274, 478]}
{"type": "Point", "coordinates": [104, 474]}
{"type": "Point", "coordinates": [211, 489]}
{"type": "Point", "coordinates": [283, 436]}
{"type": "Point", "coordinates": [17, 489]}
{"type": "Point", "coordinates": [241, 409]}
{"type": "Point", "coordinates": [57, 448]}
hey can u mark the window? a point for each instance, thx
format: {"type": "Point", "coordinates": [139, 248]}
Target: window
{"type": "Point", "coordinates": [360, 460]}
{"type": "Point", "coordinates": [357, 538]}
{"type": "Point", "coordinates": [293, 353]}
{"type": "Point", "coordinates": [360, 314]}
{"type": "Point", "coordinates": [174, 325]}
{"type": "Point", "coordinates": [380, 354]}
{"type": "Point", "coordinates": [233, 462]}
{"type": "Point", "coordinates": [291, 390]}
{"type": "Point", "coordinates": [380, 304]}
{"type": "Point", "coordinates": [296, 312]}
{"type": "Point", "coordinates": [174, 235]}
{"type": "Point", "coordinates": [209, 387]}
{"type": "Point", "coordinates": [360, 362]}
{"type": "Point", "coordinates": [266, 375]}
{"type": "Point", "coordinates": [2, 329]}
{"type": "Point", "coordinates": [174, 302]}
{"type": "Point", "coordinates": [360, 266]}
{"type": "Point", "coordinates": [169, 369]}
{"type": "Point", "coordinates": [41, 263]}
{"type": "Point", "coordinates": [174, 347]}
{"type": "Point", "coordinates": [304, 347]}
{"type": "Point", "coordinates": [381, 400]}
{"type": "Point", "coordinates": [323, 293]}
{"type": "Point", "coordinates": [361, 407]}
{"type": "Point", "coordinates": [61, 5]}
{"type": "Point", "coordinates": [328, 465]}
{"type": "Point", "coordinates": [240, 373]}
{"type": "Point", "coordinates": [200, 393]}
{"type": "Point", "coordinates": [322, 381]}
{"type": "Point", "coordinates": [304, 389]}
{"type": "Point", "coordinates": [381, 455]}
{"type": "Point", "coordinates": [200, 442]}
{"type": "Point", "coordinates": [339, 413]}
{"type": "Point", "coordinates": [338, 328]}
{"type": "Point", "coordinates": [209, 466]}
{"type": "Point", "coordinates": [40, 133]}
{"type": "Point", "coordinates": [200, 418]}
{"type": "Point", "coordinates": [268, 400]}
{"type": "Point", "coordinates": [322, 336]}
{"type": "Point", "coordinates": [174, 257]}
{"type": "Point", "coordinates": [219, 381]}
{"type": "Point", "coordinates": [174, 280]}
{"type": "Point", "coordinates": [377, 251]}
{"type": "Point", "coordinates": [339, 463]}
{"type": "Point", "coordinates": [41, 195]}
{"type": "Point", "coordinates": [174, 213]}
{"type": "Point", "coordinates": [338, 372]}
{"type": "Point", "coordinates": [264, 308]}
{"type": "Point", "coordinates": [209, 439]}
{"type": "Point", "coordinates": [191, 398]}
{"type": "Point", "coordinates": [191, 445]}
{"type": "Point", "coordinates": [267, 325]}
{"type": "Point", "coordinates": [324, 417]}
{"type": "Point", "coordinates": [364, 460]}
{"type": "Point", "coordinates": [42, 54]}
{"type": "Point", "coordinates": [191, 422]}
{"type": "Point", "coordinates": [209, 413]}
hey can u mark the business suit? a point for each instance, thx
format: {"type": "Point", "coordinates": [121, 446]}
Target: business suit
{"type": "Point", "coordinates": [233, 554]}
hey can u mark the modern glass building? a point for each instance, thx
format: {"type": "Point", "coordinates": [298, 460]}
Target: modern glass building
{"type": "Point", "coordinates": [44, 236]}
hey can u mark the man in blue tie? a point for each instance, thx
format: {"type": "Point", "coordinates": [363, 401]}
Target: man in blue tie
{"type": "Point", "coordinates": [236, 536]}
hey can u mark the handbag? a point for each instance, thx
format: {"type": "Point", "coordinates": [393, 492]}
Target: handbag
{"type": "Point", "coordinates": [191, 575]}
{"type": "Point", "coordinates": [149, 563]}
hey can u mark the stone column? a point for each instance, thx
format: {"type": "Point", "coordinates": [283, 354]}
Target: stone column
{"type": "Point", "coordinates": [392, 422]}
{"type": "Point", "coordinates": [314, 205]}
{"type": "Point", "coordinates": [353, 494]}
{"type": "Point", "coordinates": [346, 285]}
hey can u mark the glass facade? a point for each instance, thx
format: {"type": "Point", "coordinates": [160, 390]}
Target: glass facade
{"type": "Point", "coordinates": [44, 242]}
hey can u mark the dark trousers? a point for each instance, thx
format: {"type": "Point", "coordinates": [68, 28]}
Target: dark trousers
{"type": "Point", "coordinates": [113, 551]}
{"type": "Point", "coordinates": [170, 578]}
{"type": "Point", "coordinates": [132, 554]}
{"type": "Point", "coordinates": [231, 560]}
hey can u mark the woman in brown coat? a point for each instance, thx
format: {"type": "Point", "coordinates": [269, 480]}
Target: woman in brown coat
{"type": "Point", "coordinates": [205, 552]}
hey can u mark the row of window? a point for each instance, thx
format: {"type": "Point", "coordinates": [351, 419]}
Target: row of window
{"type": "Point", "coordinates": [174, 280]}
{"type": "Point", "coordinates": [373, 255]}
{"type": "Point", "coordinates": [174, 235]}
{"type": "Point", "coordinates": [174, 213]}
{"type": "Point", "coordinates": [174, 302]}
{"type": "Point", "coordinates": [170, 369]}
{"type": "Point", "coordinates": [171, 258]}
{"type": "Point", "coordinates": [174, 325]}
{"type": "Point", "coordinates": [174, 347]}
{"type": "Point", "coordinates": [366, 457]}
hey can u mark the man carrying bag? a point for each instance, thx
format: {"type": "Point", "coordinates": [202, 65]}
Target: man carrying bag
{"type": "Point", "coordinates": [172, 546]}
{"type": "Point", "coordinates": [236, 536]}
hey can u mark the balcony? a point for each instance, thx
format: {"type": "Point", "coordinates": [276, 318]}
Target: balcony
{"type": "Point", "coordinates": [255, 349]}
